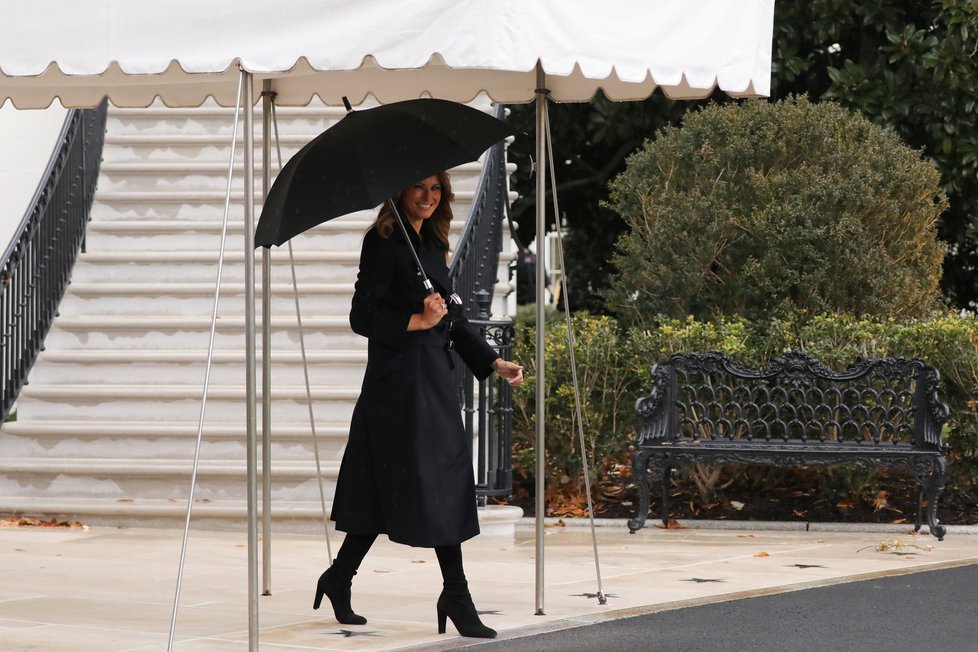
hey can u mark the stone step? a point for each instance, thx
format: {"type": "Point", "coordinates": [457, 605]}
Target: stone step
{"type": "Point", "coordinates": [210, 178]}
{"type": "Point", "coordinates": [143, 401]}
{"type": "Point", "coordinates": [158, 479]}
{"type": "Point", "coordinates": [104, 264]}
{"type": "Point", "coordinates": [197, 299]}
{"type": "Point", "coordinates": [219, 431]}
{"type": "Point", "coordinates": [133, 233]}
{"type": "Point", "coordinates": [298, 516]}
{"type": "Point", "coordinates": [176, 439]}
{"type": "Point", "coordinates": [94, 299]}
{"type": "Point", "coordinates": [190, 196]}
{"type": "Point", "coordinates": [193, 332]}
{"type": "Point", "coordinates": [170, 123]}
{"type": "Point", "coordinates": [209, 207]}
{"type": "Point", "coordinates": [312, 266]}
{"type": "Point", "coordinates": [155, 366]}
{"type": "Point", "coordinates": [292, 516]}
{"type": "Point", "coordinates": [462, 175]}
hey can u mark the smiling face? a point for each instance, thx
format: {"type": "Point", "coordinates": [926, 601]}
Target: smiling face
{"type": "Point", "coordinates": [419, 201]}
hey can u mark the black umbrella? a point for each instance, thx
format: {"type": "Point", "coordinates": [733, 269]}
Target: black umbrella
{"type": "Point", "coordinates": [369, 156]}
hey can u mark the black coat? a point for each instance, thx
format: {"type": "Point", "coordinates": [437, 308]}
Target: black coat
{"type": "Point", "coordinates": [407, 468]}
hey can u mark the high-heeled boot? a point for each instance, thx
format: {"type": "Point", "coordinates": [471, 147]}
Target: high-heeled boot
{"type": "Point", "coordinates": [335, 584]}
{"type": "Point", "coordinates": [455, 603]}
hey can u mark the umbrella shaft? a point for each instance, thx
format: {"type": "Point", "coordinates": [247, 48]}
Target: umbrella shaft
{"type": "Point", "coordinates": [414, 254]}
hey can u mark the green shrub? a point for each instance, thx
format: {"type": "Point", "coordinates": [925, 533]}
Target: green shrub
{"type": "Point", "coordinates": [614, 365]}
{"type": "Point", "coordinates": [609, 385]}
{"type": "Point", "coordinates": [764, 210]}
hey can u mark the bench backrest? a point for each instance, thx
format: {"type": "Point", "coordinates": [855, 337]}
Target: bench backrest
{"type": "Point", "coordinates": [795, 399]}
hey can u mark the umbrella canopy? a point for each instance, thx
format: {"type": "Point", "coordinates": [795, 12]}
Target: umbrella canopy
{"type": "Point", "coordinates": [184, 51]}
{"type": "Point", "coordinates": [367, 157]}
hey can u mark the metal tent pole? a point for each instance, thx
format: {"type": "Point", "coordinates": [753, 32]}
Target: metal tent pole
{"type": "Point", "coordinates": [266, 350]}
{"type": "Point", "coordinates": [571, 345]}
{"type": "Point", "coordinates": [541, 172]}
{"type": "Point", "coordinates": [250, 376]}
{"type": "Point", "coordinates": [207, 370]}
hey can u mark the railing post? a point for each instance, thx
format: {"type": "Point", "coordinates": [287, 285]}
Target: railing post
{"type": "Point", "coordinates": [494, 477]}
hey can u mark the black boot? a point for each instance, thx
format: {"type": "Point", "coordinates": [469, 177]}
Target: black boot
{"type": "Point", "coordinates": [335, 585]}
{"type": "Point", "coordinates": [455, 603]}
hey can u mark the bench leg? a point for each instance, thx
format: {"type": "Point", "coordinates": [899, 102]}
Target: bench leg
{"type": "Point", "coordinates": [643, 479]}
{"type": "Point", "coordinates": [931, 482]}
{"type": "Point", "coordinates": [666, 477]}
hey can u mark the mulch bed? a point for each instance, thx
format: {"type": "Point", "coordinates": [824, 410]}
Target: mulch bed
{"type": "Point", "coordinates": [798, 495]}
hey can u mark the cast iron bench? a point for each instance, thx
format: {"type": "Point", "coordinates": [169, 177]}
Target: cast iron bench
{"type": "Point", "coordinates": [795, 412]}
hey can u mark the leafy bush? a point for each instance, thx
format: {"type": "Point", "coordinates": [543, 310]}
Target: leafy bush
{"type": "Point", "coordinates": [609, 387]}
{"type": "Point", "coordinates": [764, 210]}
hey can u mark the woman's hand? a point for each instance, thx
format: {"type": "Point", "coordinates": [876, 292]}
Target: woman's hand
{"type": "Point", "coordinates": [512, 372]}
{"type": "Point", "coordinates": [434, 309]}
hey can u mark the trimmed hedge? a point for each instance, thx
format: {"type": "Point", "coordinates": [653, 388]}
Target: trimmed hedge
{"type": "Point", "coordinates": [763, 208]}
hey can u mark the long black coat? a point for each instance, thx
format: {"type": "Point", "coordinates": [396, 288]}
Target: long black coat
{"type": "Point", "coordinates": [407, 468]}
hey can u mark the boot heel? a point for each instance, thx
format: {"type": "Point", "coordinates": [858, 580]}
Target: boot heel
{"type": "Point", "coordinates": [455, 603]}
{"type": "Point", "coordinates": [320, 592]}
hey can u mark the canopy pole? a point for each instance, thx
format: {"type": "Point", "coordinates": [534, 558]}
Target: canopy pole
{"type": "Point", "coordinates": [266, 350]}
{"type": "Point", "coordinates": [541, 189]}
{"type": "Point", "coordinates": [250, 375]}
{"type": "Point", "coordinates": [571, 345]}
{"type": "Point", "coordinates": [207, 370]}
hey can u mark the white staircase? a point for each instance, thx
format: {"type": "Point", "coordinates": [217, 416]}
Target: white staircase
{"type": "Point", "coordinates": [106, 427]}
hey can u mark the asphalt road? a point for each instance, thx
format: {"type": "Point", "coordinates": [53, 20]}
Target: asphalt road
{"type": "Point", "coordinates": [933, 610]}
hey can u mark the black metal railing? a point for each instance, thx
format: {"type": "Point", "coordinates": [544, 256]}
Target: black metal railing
{"type": "Point", "coordinates": [488, 409]}
{"type": "Point", "coordinates": [36, 266]}
{"type": "Point", "coordinates": [487, 405]}
{"type": "Point", "coordinates": [476, 257]}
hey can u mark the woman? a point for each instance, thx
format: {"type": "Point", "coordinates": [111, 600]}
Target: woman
{"type": "Point", "coordinates": [407, 470]}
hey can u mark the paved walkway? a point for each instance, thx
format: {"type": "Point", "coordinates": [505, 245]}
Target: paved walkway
{"type": "Point", "coordinates": [110, 590]}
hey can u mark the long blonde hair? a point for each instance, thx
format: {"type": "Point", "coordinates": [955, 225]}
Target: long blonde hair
{"type": "Point", "coordinates": [440, 220]}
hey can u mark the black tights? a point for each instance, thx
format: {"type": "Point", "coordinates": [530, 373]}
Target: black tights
{"type": "Point", "coordinates": [356, 546]}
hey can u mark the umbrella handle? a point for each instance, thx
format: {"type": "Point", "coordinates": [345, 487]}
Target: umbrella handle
{"type": "Point", "coordinates": [414, 254]}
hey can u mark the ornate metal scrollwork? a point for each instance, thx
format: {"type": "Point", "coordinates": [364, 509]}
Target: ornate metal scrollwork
{"type": "Point", "coordinates": [795, 412]}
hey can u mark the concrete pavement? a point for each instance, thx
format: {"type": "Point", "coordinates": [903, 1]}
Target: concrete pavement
{"type": "Point", "coordinates": [111, 590]}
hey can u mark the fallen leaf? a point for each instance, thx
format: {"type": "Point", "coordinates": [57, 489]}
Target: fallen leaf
{"type": "Point", "coordinates": [25, 521]}
{"type": "Point", "coordinates": [762, 554]}
{"type": "Point", "coordinates": [880, 501]}
{"type": "Point", "coordinates": [745, 536]}
{"type": "Point", "coordinates": [419, 561]}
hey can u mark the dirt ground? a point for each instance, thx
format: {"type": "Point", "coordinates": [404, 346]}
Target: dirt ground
{"type": "Point", "coordinates": [776, 495]}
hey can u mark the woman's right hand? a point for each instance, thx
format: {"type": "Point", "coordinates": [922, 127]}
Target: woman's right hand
{"type": "Point", "coordinates": [435, 309]}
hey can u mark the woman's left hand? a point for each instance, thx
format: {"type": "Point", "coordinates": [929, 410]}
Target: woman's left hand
{"type": "Point", "coordinates": [512, 372]}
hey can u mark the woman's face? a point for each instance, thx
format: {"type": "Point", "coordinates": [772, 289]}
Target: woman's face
{"type": "Point", "coordinates": [420, 200]}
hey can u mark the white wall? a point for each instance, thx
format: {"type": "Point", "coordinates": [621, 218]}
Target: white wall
{"type": "Point", "coordinates": [27, 139]}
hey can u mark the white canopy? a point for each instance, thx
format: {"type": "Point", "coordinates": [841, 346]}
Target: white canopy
{"type": "Point", "coordinates": [186, 50]}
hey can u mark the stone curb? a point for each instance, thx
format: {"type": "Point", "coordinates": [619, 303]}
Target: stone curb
{"type": "Point", "coordinates": [774, 526]}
